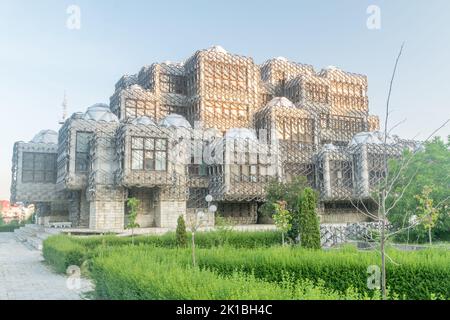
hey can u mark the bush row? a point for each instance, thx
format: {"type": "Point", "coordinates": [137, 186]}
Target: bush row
{"type": "Point", "coordinates": [63, 250]}
{"type": "Point", "coordinates": [147, 273]}
{"type": "Point", "coordinates": [410, 275]}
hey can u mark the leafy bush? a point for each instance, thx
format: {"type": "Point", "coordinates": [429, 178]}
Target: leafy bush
{"type": "Point", "coordinates": [309, 220]}
{"type": "Point", "coordinates": [429, 167]}
{"type": "Point", "coordinates": [61, 252]}
{"type": "Point", "coordinates": [181, 236]}
{"type": "Point", "coordinates": [417, 275]}
{"type": "Point", "coordinates": [10, 227]}
{"type": "Point", "coordinates": [154, 273]}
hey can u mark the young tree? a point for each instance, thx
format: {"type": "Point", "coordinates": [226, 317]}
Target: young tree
{"type": "Point", "coordinates": [194, 223]}
{"type": "Point", "coordinates": [181, 236]}
{"type": "Point", "coordinates": [427, 213]}
{"type": "Point", "coordinates": [287, 192]}
{"type": "Point", "coordinates": [429, 167]}
{"type": "Point", "coordinates": [132, 204]}
{"type": "Point", "coordinates": [389, 191]}
{"type": "Point", "coordinates": [309, 220]}
{"type": "Point", "coordinates": [282, 218]}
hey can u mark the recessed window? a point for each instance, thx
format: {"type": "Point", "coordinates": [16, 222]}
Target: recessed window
{"type": "Point", "coordinates": [38, 167]}
{"type": "Point", "coordinates": [82, 152]}
{"type": "Point", "coordinates": [149, 154]}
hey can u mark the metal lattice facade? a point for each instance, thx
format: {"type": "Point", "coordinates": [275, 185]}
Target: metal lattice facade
{"type": "Point", "coordinates": [215, 124]}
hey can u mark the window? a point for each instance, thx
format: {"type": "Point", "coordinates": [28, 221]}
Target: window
{"type": "Point", "coordinates": [139, 108]}
{"type": "Point", "coordinates": [39, 167]}
{"type": "Point", "coordinates": [172, 83]}
{"type": "Point", "coordinates": [149, 154]}
{"type": "Point", "coordinates": [82, 151]}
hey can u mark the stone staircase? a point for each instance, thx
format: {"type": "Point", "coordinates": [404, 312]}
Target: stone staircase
{"type": "Point", "coordinates": [33, 235]}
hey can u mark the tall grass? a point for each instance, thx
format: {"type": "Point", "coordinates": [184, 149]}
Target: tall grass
{"type": "Point", "coordinates": [143, 273]}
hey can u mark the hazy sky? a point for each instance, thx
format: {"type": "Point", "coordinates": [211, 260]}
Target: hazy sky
{"type": "Point", "coordinates": [40, 57]}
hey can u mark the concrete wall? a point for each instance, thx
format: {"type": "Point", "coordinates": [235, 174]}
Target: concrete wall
{"type": "Point", "coordinates": [147, 207]}
{"type": "Point", "coordinates": [168, 211]}
{"type": "Point", "coordinates": [106, 215]}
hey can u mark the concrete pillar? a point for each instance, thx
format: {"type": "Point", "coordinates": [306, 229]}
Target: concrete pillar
{"type": "Point", "coordinates": [326, 175]}
{"type": "Point", "coordinates": [364, 174]}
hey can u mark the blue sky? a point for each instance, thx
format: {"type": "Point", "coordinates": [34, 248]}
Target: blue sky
{"type": "Point", "coordinates": [40, 57]}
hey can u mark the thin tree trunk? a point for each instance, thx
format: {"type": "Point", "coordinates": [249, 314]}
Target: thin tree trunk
{"type": "Point", "coordinates": [282, 238]}
{"type": "Point", "coordinates": [429, 235]}
{"type": "Point", "coordinates": [193, 249]}
{"type": "Point", "coordinates": [383, 260]}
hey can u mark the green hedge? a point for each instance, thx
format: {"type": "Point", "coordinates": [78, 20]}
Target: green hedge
{"type": "Point", "coordinates": [414, 275]}
{"type": "Point", "coordinates": [137, 274]}
{"type": "Point", "coordinates": [411, 275]}
{"type": "Point", "coordinates": [202, 239]}
{"type": "Point", "coordinates": [10, 227]}
{"type": "Point", "coordinates": [62, 251]}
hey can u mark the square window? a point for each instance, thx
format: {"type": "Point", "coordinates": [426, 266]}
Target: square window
{"type": "Point", "coordinates": [137, 157]}
{"type": "Point", "coordinates": [161, 144]}
{"type": "Point", "coordinates": [137, 143]}
{"type": "Point", "coordinates": [149, 144]}
{"type": "Point", "coordinates": [160, 163]}
{"type": "Point", "coordinates": [27, 176]}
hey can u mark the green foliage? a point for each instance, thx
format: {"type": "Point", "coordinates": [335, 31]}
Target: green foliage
{"type": "Point", "coordinates": [308, 220]}
{"type": "Point", "coordinates": [224, 228]}
{"type": "Point", "coordinates": [61, 251]}
{"type": "Point", "coordinates": [416, 275]}
{"type": "Point", "coordinates": [282, 218]}
{"type": "Point", "coordinates": [132, 205]}
{"type": "Point", "coordinates": [287, 192]}
{"type": "Point", "coordinates": [181, 236]}
{"type": "Point", "coordinates": [427, 213]}
{"type": "Point", "coordinates": [10, 227]}
{"type": "Point", "coordinates": [155, 273]}
{"type": "Point", "coordinates": [431, 168]}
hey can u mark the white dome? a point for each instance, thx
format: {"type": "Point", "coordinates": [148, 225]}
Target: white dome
{"type": "Point", "coordinates": [281, 59]}
{"type": "Point", "coordinates": [374, 137]}
{"type": "Point", "coordinates": [281, 102]}
{"type": "Point", "coordinates": [241, 133]}
{"type": "Point", "coordinates": [46, 136]}
{"type": "Point", "coordinates": [329, 147]}
{"type": "Point", "coordinates": [100, 112]}
{"type": "Point", "coordinates": [144, 120]}
{"type": "Point", "coordinates": [217, 48]}
{"type": "Point", "coordinates": [175, 120]}
{"type": "Point", "coordinates": [136, 87]}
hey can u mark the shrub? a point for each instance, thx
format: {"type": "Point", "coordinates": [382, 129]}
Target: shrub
{"type": "Point", "coordinates": [61, 252]}
{"type": "Point", "coordinates": [10, 227]}
{"type": "Point", "coordinates": [181, 236]}
{"type": "Point", "coordinates": [417, 275]}
{"type": "Point", "coordinates": [308, 220]}
{"type": "Point", "coordinates": [154, 273]}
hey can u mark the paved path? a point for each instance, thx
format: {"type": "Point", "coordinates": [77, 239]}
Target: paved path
{"type": "Point", "coordinates": [24, 276]}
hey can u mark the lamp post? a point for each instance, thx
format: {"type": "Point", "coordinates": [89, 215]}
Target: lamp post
{"type": "Point", "coordinates": [200, 216]}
